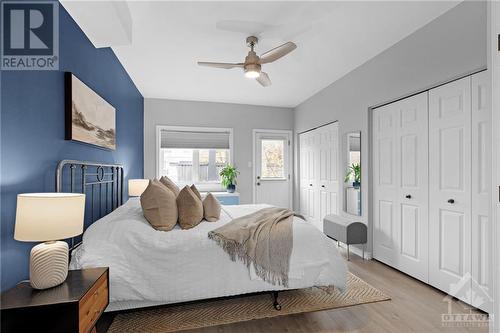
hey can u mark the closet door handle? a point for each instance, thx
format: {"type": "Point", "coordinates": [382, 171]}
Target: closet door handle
{"type": "Point", "coordinates": [323, 186]}
{"type": "Point", "coordinates": [310, 184]}
{"type": "Point", "coordinates": [408, 196]}
{"type": "Point", "coordinates": [451, 201]}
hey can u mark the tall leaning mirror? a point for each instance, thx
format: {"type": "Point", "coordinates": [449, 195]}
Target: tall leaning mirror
{"type": "Point", "coordinates": [352, 178]}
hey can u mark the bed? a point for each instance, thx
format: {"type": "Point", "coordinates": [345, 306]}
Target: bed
{"type": "Point", "coordinates": [150, 267]}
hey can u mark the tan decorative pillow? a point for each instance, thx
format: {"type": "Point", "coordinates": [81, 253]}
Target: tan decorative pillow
{"type": "Point", "coordinates": [159, 206]}
{"type": "Point", "coordinates": [195, 191]}
{"type": "Point", "coordinates": [211, 208]}
{"type": "Point", "coordinates": [190, 208]}
{"type": "Point", "coordinates": [170, 185]}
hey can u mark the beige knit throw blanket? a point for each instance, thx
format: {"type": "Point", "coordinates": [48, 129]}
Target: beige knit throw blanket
{"type": "Point", "coordinates": [264, 239]}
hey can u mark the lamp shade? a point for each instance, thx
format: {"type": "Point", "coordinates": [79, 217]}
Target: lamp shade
{"type": "Point", "coordinates": [137, 186]}
{"type": "Point", "coordinates": [49, 216]}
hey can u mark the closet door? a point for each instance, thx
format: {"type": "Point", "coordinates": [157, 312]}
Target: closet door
{"type": "Point", "coordinates": [450, 186]}
{"type": "Point", "coordinates": [481, 171]}
{"type": "Point", "coordinates": [386, 188]}
{"type": "Point", "coordinates": [309, 206]}
{"type": "Point", "coordinates": [328, 178]}
{"type": "Point", "coordinates": [304, 175]}
{"type": "Point", "coordinates": [413, 197]}
{"type": "Point", "coordinates": [312, 179]}
{"type": "Point", "coordinates": [401, 185]}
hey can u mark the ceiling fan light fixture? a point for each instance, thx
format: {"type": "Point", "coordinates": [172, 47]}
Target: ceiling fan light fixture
{"type": "Point", "coordinates": [252, 74]}
{"type": "Point", "coordinates": [252, 71]}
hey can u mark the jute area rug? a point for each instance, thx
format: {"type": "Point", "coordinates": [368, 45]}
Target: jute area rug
{"type": "Point", "coordinates": [226, 311]}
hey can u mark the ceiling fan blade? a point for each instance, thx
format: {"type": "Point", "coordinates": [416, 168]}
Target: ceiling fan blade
{"type": "Point", "coordinates": [277, 52]}
{"type": "Point", "coordinates": [264, 79]}
{"type": "Point", "coordinates": [220, 64]}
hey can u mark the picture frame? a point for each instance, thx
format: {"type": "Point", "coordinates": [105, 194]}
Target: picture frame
{"type": "Point", "coordinates": [89, 118]}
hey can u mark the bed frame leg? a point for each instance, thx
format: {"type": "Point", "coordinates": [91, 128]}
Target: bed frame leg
{"type": "Point", "coordinates": [276, 304]}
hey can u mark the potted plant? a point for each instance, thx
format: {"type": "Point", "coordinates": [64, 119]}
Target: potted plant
{"type": "Point", "coordinates": [354, 172]}
{"type": "Point", "coordinates": [228, 177]}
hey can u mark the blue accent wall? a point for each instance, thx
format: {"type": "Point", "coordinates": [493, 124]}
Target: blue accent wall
{"type": "Point", "coordinates": [32, 131]}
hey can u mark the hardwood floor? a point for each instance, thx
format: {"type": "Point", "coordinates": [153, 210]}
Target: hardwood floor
{"type": "Point", "coordinates": [414, 307]}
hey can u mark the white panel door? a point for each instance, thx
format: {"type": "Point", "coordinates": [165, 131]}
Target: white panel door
{"type": "Point", "coordinates": [312, 176]}
{"type": "Point", "coordinates": [308, 154]}
{"type": "Point", "coordinates": [450, 187]}
{"type": "Point", "coordinates": [304, 175]}
{"type": "Point", "coordinates": [412, 163]}
{"type": "Point", "coordinates": [401, 185]}
{"type": "Point", "coordinates": [482, 272]}
{"type": "Point", "coordinates": [386, 188]}
{"type": "Point", "coordinates": [319, 173]}
{"type": "Point", "coordinates": [328, 171]}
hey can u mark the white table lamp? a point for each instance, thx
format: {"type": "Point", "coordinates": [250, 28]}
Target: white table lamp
{"type": "Point", "coordinates": [137, 186]}
{"type": "Point", "coordinates": [49, 217]}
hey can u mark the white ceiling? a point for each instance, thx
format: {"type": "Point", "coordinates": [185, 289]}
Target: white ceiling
{"type": "Point", "coordinates": [333, 38]}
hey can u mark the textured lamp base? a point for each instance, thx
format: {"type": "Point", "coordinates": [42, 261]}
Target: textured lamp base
{"type": "Point", "coordinates": [48, 264]}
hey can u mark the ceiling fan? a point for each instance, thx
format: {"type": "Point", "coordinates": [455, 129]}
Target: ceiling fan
{"type": "Point", "coordinates": [253, 63]}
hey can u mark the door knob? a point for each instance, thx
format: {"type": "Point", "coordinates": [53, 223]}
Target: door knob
{"type": "Point", "coordinates": [258, 184]}
{"type": "Point", "coordinates": [258, 177]}
{"type": "Point", "coordinates": [408, 196]}
{"type": "Point", "coordinates": [310, 184]}
{"type": "Point", "coordinates": [451, 201]}
{"type": "Point", "coordinates": [323, 186]}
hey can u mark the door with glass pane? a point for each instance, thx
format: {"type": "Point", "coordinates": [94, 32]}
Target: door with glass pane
{"type": "Point", "coordinates": [272, 182]}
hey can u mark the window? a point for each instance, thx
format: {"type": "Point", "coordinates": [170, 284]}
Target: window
{"type": "Point", "coordinates": [194, 155]}
{"type": "Point", "coordinates": [273, 155]}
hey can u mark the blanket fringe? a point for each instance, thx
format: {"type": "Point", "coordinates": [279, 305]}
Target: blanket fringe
{"type": "Point", "coordinates": [237, 251]}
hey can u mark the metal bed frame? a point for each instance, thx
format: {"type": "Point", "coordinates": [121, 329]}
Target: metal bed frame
{"type": "Point", "coordinates": [104, 182]}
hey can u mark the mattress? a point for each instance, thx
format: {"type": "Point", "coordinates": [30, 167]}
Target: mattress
{"type": "Point", "coordinates": [151, 267]}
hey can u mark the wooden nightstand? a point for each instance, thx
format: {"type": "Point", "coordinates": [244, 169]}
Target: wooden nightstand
{"type": "Point", "coordinates": [74, 306]}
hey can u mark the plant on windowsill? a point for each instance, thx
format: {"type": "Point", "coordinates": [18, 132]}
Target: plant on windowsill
{"type": "Point", "coordinates": [354, 171]}
{"type": "Point", "coordinates": [228, 177]}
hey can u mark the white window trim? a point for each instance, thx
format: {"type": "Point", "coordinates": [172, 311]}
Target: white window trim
{"type": "Point", "coordinates": [160, 128]}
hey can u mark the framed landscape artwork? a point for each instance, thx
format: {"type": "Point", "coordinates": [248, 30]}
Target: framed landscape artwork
{"type": "Point", "coordinates": [89, 118]}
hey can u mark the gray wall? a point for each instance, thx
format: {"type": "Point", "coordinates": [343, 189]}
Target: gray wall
{"type": "Point", "coordinates": [452, 45]}
{"type": "Point", "coordinates": [242, 118]}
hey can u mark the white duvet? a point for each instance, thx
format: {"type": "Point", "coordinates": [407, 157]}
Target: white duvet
{"type": "Point", "coordinates": [149, 267]}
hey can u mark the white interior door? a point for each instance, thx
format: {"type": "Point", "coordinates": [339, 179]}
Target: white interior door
{"type": "Point", "coordinates": [304, 189]}
{"type": "Point", "coordinates": [413, 215]}
{"type": "Point", "coordinates": [386, 188]}
{"type": "Point", "coordinates": [272, 157]}
{"type": "Point", "coordinates": [328, 171]}
{"type": "Point", "coordinates": [450, 186]}
{"type": "Point", "coordinates": [308, 155]}
{"type": "Point", "coordinates": [482, 271]}
{"type": "Point", "coordinates": [319, 173]}
{"type": "Point", "coordinates": [401, 185]}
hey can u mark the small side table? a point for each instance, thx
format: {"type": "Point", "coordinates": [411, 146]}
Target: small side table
{"type": "Point", "coordinates": [73, 306]}
{"type": "Point", "coordinates": [226, 198]}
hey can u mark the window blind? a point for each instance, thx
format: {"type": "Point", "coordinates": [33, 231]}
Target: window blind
{"type": "Point", "coordinates": [194, 139]}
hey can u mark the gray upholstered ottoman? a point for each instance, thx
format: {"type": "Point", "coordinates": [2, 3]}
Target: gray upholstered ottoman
{"type": "Point", "coordinates": [345, 231]}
